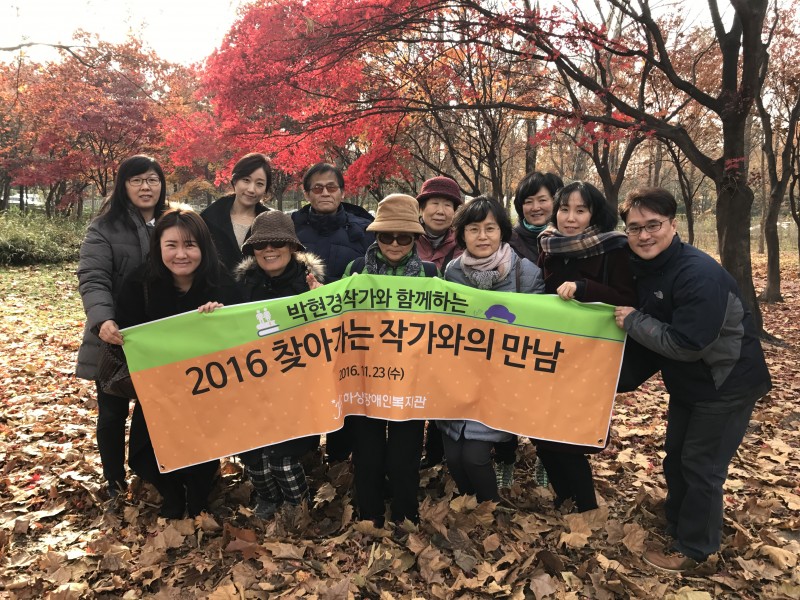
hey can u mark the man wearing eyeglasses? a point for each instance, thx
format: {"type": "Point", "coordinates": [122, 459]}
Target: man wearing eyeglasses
{"type": "Point", "coordinates": [692, 325]}
{"type": "Point", "coordinates": [335, 231]}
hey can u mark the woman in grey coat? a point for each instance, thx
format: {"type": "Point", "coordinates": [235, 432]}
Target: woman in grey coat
{"type": "Point", "coordinates": [483, 229]}
{"type": "Point", "coordinates": [116, 242]}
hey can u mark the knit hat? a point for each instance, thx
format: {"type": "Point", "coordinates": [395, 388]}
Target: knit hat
{"type": "Point", "coordinates": [271, 226]}
{"type": "Point", "coordinates": [441, 187]}
{"type": "Point", "coordinates": [397, 213]}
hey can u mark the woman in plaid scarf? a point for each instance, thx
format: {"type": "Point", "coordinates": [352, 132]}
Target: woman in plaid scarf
{"type": "Point", "coordinates": [583, 258]}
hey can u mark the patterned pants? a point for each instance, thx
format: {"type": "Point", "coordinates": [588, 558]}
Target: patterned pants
{"type": "Point", "coordinates": [277, 479]}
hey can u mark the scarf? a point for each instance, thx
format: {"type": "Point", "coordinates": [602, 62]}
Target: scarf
{"type": "Point", "coordinates": [485, 273]}
{"type": "Point", "coordinates": [537, 229]}
{"type": "Point", "coordinates": [435, 240]}
{"type": "Point", "coordinates": [590, 242]}
{"type": "Point", "coordinates": [375, 263]}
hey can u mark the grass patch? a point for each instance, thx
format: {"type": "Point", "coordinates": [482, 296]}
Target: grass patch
{"type": "Point", "coordinates": [27, 239]}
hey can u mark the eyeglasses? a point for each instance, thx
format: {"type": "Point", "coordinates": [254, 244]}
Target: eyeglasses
{"type": "Point", "coordinates": [140, 181]}
{"type": "Point", "coordinates": [276, 245]}
{"type": "Point", "coordinates": [651, 227]}
{"type": "Point", "coordinates": [330, 187]}
{"type": "Point", "coordinates": [403, 239]}
{"type": "Point", "coordinates": [476, 230]}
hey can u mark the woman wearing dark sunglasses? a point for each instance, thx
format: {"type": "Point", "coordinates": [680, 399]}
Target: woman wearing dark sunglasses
{"type": "Point", "coordinates": [276, 265]}
{"type": "Point", "coordinates": [390, 449]}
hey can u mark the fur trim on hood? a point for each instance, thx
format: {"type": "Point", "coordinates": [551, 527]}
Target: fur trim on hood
{"type": "Point", "coordinates": [312, 263]}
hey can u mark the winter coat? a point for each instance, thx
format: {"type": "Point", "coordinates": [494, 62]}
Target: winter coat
{"type": "Point", "coordinates": [161, 299]}
{"type": "Point", "coordinates": [605, 278]}
{"type": "Point", "coordinates": [338, 238]}
{"type": "Point", "coordinates": [530, 283]}
{"type": "Point", "coordinates": [447, 250]}
{"type": "Point", "coordinates": [525, 243]}
{"type": "Point", "coordinates": [218, 218]}
{"type": "Point", "coordinates": [693, 326]}
{"type": "Point", "coordinates": [253, 285]}
{"type": "Point", "coordinates": [111, 250]}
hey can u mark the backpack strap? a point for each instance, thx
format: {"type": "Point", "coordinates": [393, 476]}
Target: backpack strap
{"type": "Point", "coordinates": [355, 266]}
{"type": "Point", "coordinates": [449, 256]}
{"type": "Point", "coordinates": [429, 269]}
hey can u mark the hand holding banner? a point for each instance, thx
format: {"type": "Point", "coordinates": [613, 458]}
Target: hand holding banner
{"type": "Point", "coordinates": [245, 376]}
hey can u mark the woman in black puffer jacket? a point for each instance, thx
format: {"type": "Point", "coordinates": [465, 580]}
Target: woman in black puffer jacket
{"type": "Point", "coordinates": [116, 243]}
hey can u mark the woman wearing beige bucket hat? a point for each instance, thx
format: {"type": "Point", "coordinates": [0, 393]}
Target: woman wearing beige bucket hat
{"type": "Point", "coordinates": [390, 449]}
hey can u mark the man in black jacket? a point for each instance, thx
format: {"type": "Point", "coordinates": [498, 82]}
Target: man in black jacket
{"type": "Point", "coordinates": [693, 326]}
{"type": "Point", "coordinates": [335, 231]}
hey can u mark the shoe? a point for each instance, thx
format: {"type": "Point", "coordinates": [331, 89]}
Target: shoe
{"type": "Point", "coordinates": [671, 561]}
{"type": "Point", "coordinates": [428, 462]}
{"type": "Point", "coordinates": [540, 474]}
{"type": "Point", "coordinates": [173, 502]}
{"type": "Point", "coordinates": [171, 511]}
{"type": "Point", "coordinates": [117, 488]}
{"type": "Point", "coordinates": [265, 509]}
{"type": "Point", "coordinates": [504, 473]}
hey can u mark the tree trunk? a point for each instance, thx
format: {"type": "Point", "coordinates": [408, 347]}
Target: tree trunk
{"type": "Point", "coordinates": [772, 293]}
{"type": "Point", "coordinates": [530, 148]}
{"type": "Point", "coordinates": [764, 208]}
{"type": "Point", "coordinates": [734, 203]}
{"type": "Point", "coordinates": [688, 202]}
{"type": "Point", "coordinates": [5, 193]}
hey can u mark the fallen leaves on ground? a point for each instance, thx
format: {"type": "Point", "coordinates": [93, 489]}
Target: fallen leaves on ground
{"type": "Point", "coordinates": [60, 538]}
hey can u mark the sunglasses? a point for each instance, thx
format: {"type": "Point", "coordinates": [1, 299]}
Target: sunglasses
{"type": "Point", "coordinates": [276, 245]}
{"type": "Point", "coordinates": [331, 188]}
{"type": "Point", "coordinates": [404, 239]}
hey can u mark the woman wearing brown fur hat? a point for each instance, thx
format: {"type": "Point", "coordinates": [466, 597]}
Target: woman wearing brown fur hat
{"type": "Point", "coordinates": [276, 265]}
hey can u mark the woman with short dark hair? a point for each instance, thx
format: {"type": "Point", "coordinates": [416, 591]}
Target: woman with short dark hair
{"type": "Point", "coordinates": [533, 202]}
{"type": "Point", "coordinates": [483, 229]}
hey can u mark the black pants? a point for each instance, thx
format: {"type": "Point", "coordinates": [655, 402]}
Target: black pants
{"type": "Point", "coordinates": [569, 472]}
{"type": "Point", "coordinates": [434, 450]}
{"type": "Point", "coordinates": [700, 444]}
{"type": "Point", "coordinates": [339, 443]}
{"type": "Point", "coordinates": [182, 490]}
{"type": "Point", "coordinates": [506, 452]}
{"type": "Point", "coordinates": [470, 465]}
{"type": "Point", "coordinates": [112, 413]}
{"type": "Point", "coordinates": [384, 449]}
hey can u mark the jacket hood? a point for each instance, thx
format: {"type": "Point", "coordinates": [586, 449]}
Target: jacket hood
{"type": "Point", "coordinates": [310, 262]}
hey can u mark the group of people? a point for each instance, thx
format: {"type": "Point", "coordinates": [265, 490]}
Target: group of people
{"type": "Point", "coordinates": [684, 317]}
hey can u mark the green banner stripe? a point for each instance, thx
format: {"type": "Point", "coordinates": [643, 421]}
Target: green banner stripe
{"type": "Point", "coordinates": [192, 334]}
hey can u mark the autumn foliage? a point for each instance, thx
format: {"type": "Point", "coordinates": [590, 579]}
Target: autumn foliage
{"type": "Point", "coordinates": [61, 538]}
